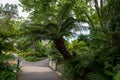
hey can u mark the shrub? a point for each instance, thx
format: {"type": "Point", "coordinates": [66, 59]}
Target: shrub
{"type": "Point", "coordinates": [7, 71]}
{"type": "Point", "coordinates": [32, 58]}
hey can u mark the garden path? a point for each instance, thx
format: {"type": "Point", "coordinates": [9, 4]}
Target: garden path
{"type": "Point", "coordinates": [37, 71]}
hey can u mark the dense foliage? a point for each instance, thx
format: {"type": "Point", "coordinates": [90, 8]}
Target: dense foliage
{"type": "Point", "coordinates": [100, 58]}
{"type": "Point", "coordinates": [91, 57]}
{"type": "Point", "coordinates": [8, 28]}
{"type": "Point", "coordinates": [95, 56]}
{"type": "Point", "coordinates": [7, 34]}
{"type": "Point", "coordinates": [8, 71]}
{"type": "Point", "coordinates": [34, 52]}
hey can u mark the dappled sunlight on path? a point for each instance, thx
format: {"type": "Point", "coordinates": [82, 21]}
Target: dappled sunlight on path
{"type": "Point", "coordinates": [37, 71]}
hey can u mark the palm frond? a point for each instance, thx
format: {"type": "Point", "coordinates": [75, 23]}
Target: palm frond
{"type": "Point", "coordinates": [67, 24]}
{"type": "Point", "coordinates": [65, 10]}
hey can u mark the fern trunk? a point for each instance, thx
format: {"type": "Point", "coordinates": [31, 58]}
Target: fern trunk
{"type": "Point", "coordinates": [60, 45]}
{"type": "Point", "coordinates": [0, 52]}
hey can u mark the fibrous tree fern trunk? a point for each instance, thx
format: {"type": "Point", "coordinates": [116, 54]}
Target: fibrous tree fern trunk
{"type": "Point", "coordinates": [60, 45]}
{"type": "Point", "coordinates": [0, 52]}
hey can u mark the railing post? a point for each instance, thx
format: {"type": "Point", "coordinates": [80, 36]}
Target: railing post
{"type": "Point", "coordinates": [53, 64]}
{"type": "Point", "coordinates": [18, 62]}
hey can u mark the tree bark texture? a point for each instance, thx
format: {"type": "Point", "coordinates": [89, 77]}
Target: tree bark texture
{"type": "Point", "coordinates": [60, 45]}
{"type": "Point", "coordinates": [0, 51]}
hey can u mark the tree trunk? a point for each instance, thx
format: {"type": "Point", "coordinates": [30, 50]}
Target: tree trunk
{"type": "Point", "coordinates": [0, 51]}
{"type": "Point", "coordinates": [60, 45]}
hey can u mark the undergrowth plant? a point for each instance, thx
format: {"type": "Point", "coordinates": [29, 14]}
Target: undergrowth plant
{"type": "Point", "coordinates": [7, 71]}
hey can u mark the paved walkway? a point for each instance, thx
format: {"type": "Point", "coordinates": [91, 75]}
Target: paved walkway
{"type": "Point", "coordinates": [37, 71]}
